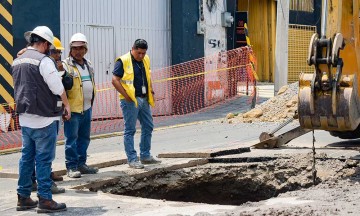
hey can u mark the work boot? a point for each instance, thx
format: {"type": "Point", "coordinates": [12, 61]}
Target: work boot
{"type": "Point", "coordinates": [50, 206]}
{"type": "Point", "coordinates": [150, 160]}
{"type": "Point", "coordinates": [136, 165]}
{"type": "Point", "coordinates": [25, 203]}
{"type": "Point", "coordinates": [56, 190]}
{"type": "Point", "coordinates": [34, 186]}
{"type": "Point", "coordinates": [85, 169]}
{"type": "Point", "coordinates": [55, 177]}
{"type": "Point", "coordinates": [73, 173]}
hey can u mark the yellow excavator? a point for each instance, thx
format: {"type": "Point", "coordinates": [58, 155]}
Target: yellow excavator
{"type": "Point", "coordinates": [329, 98]}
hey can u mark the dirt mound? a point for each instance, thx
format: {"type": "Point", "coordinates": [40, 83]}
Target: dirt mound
{"type": "Point", "coordinates": [276, 109]}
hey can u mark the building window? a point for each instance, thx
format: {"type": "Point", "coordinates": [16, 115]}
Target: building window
{"type": "Point", "coordinates": [302, 5]}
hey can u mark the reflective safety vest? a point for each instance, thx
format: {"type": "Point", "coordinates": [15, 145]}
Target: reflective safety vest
{"type": "Point", "coordinates": [127, 81]}
{"type": "Point", "coordinates": [75, 94]}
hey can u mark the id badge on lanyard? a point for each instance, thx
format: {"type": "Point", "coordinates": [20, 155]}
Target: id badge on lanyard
{"type": "Point", "coordinates": [143, 89]}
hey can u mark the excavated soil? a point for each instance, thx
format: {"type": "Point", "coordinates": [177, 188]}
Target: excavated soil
{"type": "Point", "coordinates": [236, 184]}
{"type": "Point", "coordinates": [275, 109]}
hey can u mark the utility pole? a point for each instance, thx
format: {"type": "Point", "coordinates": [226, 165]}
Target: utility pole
{"type": "Point", "coordinates": [281, 49]}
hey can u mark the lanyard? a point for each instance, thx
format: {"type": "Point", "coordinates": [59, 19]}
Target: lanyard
{"type": "Point", "coordinates": [141, 69]}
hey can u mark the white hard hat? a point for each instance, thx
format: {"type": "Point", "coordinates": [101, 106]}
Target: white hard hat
{"type": "Point", "coordinates": [78, 39]}
{"type": "Point", "coordinates": [42, 31]}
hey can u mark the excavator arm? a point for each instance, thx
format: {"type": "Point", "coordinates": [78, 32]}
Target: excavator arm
{"type": "Point", "coordinates": [329, 98]}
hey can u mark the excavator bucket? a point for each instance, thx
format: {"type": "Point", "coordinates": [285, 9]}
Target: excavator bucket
{"type": "Point", "coordinates": [332, 110]}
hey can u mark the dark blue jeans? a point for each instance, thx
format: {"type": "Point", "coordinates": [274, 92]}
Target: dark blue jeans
{"type": "Point", "coordinates": [77, 139]}
{"type": "Point", "coordinates": [37, 145]}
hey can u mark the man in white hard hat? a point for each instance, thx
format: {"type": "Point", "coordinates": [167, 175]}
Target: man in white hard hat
{"type": "Point", "coordinates": [40, 101]}
{"type": "Point", "coordinates": [81, 97]}
{"type": "Point", "coordinates": [55, 54]}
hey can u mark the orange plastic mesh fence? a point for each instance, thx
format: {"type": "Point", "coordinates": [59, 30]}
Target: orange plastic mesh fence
{"type": "Point", "coordinates": [181, 92]}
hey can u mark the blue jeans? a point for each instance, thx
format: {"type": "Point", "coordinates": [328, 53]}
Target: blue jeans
{"type": "Point", "coordinates": [38, 149]}
{"type": "Point", "coordinates": [77, 139]}
{"type": "Point", "coordinates": [131, 114]}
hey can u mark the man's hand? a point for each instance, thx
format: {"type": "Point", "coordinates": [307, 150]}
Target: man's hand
{"type": "Point", "coordinates": [127, 98]}
{"type": "Point", "coordinates": [60, 66]}
{"type": "Point", "coordinates": [117, 85]}
{"type": "Point", "coordinates": [67, 113]}
{"type": "Point", "coordinates": [21, 52]}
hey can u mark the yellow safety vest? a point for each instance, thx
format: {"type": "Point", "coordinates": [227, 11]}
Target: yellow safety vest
{"type": "Point", "coordinates": [127, 81]}
{"type": "Point", "coordinates": [75, 94]}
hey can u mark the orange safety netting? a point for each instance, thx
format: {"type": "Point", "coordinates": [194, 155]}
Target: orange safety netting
{"type": "Point", "coordinates": [182, 93]}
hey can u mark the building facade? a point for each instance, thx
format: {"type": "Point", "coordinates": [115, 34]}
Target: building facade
{"type": "Point", "coordinates": [176, 30]}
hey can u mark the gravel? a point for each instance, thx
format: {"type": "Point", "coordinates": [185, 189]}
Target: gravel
{"type": "Point", "coordinates": [275, 109]}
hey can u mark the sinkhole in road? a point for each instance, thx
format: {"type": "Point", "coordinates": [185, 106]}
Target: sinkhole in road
{"type": "Point", "coordinates": [225, 184]}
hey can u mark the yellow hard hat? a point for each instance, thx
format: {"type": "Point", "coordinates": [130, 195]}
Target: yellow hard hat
{"type": "Point", "coordinates": [57, 44]}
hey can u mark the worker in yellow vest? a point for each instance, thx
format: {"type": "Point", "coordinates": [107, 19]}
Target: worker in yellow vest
{"type": "Point", "coordinates": [81, 98]}
{"type": "Point", "coordinates": [132, 79]}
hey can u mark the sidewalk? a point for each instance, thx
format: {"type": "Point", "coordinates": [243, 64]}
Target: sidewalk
{"type": "Point", "coordinates": [195, 137]}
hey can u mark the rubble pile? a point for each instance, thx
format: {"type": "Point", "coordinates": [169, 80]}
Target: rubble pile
{"type": "Point", "coordinates": [276, 109]}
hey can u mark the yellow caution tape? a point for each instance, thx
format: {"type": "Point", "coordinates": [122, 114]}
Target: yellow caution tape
{"type": "Point", "coordinates": [185, 76]}
{"type": "Point", "coordinates": [247, 35]}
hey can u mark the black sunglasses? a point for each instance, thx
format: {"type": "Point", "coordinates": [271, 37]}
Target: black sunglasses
{"type": "Point", "coordinates": [56, 52]}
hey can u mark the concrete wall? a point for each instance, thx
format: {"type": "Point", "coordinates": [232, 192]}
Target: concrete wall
{"type": "Point", "coordinates": [214, 43]}
{"type": "Point", "coordinates": [215, 33]}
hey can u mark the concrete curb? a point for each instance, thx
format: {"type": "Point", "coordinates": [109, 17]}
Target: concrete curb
{"type": "Point", "coordinates": [97, 184]}
{"type": "Point", "coordinates": [204, 154]}
{"type": "Point", "coordinates": [63, 171]}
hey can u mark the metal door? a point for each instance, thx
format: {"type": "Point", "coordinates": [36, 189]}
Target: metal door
{"type": "Point", "coordinates": [102, 54]}
{"type": "Point", "coordinates": [111, 27]}
{"type": "Point", "coordinates": [101, 51]}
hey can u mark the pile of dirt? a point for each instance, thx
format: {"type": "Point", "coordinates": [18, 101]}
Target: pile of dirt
{"type": "Point", "coordinates": [276, 109]}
